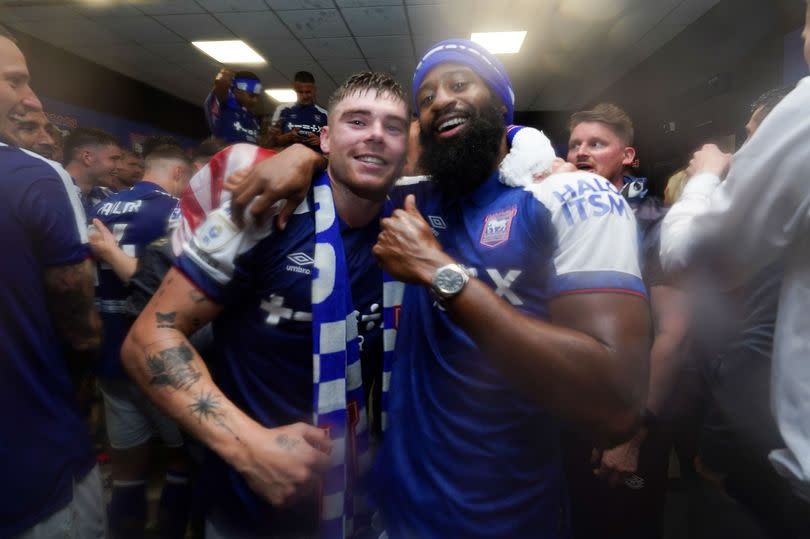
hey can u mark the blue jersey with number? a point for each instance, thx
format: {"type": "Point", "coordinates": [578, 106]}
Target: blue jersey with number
{"type": "Point", "coordinates": [262, 357]}
{"type": "Point", "coordinates": [136, 217]}
{"type": "Point", "coordinates": [230, 121]}
{"type": "Point", "coordinates": [307, 118]}
{"type": "Point", "coordinates": [46, 446]}
{"type": "Point", "coordinates": [466, 454]}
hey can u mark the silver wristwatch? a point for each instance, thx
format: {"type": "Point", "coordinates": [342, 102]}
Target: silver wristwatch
{"type": "Point", "coordinates": [448, 282]}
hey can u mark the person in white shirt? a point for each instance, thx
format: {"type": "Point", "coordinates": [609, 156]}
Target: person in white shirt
{"type": "Point", "coordinates": [759, 215]}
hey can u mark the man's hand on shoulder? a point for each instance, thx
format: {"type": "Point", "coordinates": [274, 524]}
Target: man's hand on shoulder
{"type": "Point", "coordinates": [285, 176]}
{"type": "Point", "coordinates": [709, 159]}
{"type": "Point", "coordinates": [284, 464]}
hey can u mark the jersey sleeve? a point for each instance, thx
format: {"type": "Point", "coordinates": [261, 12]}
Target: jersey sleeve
{"type": "Point", "coordinates": [53, 214]}
{"type": "Point", "coordinates": [596, 242]}
{"type": "Point", "coordinates": [210, 257]}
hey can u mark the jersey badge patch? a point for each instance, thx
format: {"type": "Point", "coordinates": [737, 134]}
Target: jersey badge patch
{"type": "Point", "coordinates": [215, 232]}
{"type": "Point", "coordinates": [497, 227]}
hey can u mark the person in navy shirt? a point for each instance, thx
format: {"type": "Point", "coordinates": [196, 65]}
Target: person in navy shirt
{"type": "Point", "coordinates": [258, 285]}
{"type": "Point", "coordinates": [230, 107]}
{"type": "Point", "coordinates": [49, 336]}
{"type": "Point", "coordinates": [131, 220]}
{"type": "Point", "coordinates": [524, 309]}
{"type": "Point", "coordinates": [300, 121]}
{"type": "Point", "coordinates": [548, 322]}
{"type": "Point", "coordinates": [93, 160]}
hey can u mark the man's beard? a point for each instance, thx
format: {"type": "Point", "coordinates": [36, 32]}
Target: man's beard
{"type": "Point", "coordinates": [461, 164]}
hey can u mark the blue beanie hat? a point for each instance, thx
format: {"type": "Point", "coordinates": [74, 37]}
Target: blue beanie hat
{"type": "Point", "coordinates": [474, 56]}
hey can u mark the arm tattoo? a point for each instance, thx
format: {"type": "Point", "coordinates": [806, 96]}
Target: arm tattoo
{"type": "Point", "coordinates": [166, 320]}
{"type": "Point", "coordinates": [173, 368]}
{"type": "Point", "coordinates": [287, 443]}
{"type": "Point", "coordinates": [71, 303]}
{"type": "Point", "coordinates": [206, 406]}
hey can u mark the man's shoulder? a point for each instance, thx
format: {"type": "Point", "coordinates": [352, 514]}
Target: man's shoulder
{"type": "Point", "coordinates": [320, 109]}
{"type": "Point", "coordinates": [28, 165]}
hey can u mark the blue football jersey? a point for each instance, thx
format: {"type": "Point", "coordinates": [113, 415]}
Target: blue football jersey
{"type": "Point", "coordinates": [465, 454]}
{"type": "Point", "coordinates": [136, 217]}
{"type": "Point", "coordinates": [262, 352]}
{"type": "Point", "coordinates": [307, 118]}
{"type": "Point", "coordinates": [230, 121]}
{"type": "Point", "coordinates": [46, 446]}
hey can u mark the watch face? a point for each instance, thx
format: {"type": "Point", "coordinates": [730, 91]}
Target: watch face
{"type": "Point", "coordinates": [449, 281]}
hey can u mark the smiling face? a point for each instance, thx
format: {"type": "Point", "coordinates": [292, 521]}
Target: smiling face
{"type": "Point", "coordinates": [594, 147]}
{"type": "Point", "coordinates": [16, 96]}
{"type": "Point", "coordinates": [31, 131]}
{"type": "Point", "coordinates": [449, 96]}
{"type": "Point", "coordinates": [367, 141]}
{"type": "Point", "coordinates": [462, 128]}
{"type": "Point", "coordinates": [104, 164]}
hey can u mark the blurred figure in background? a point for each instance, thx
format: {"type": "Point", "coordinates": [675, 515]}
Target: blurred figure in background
{"type": "Point", "coordinates": [230, 108]}
{"type": "Point", "coordinates": [30, 131]}
{"type": "Point", "coordinates": [300, 121]}
{"type": "Point", "coordinates": [92, 158]}
{"type": "Point", "coordinates": [753, 219]}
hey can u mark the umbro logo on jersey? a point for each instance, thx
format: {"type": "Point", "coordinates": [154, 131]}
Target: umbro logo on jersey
{"type": "Point", "coordinates": [437, 222]}
{"type": "Point", "coordinates": [301, 260]}
{"type": "Point", "coordinates": [497, 227]}
{"type": "Point", "coordinates": [634, 482]}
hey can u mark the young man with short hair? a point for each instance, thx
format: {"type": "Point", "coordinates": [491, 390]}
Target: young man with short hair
{"type": "Point", "coordinates": [92, 158]}
{"type": "Point", "coordinates": [632, 477]}
{"type": "Point", "coordinates": [129, 221]}
{"type": "Point", "coordinates": [285, 308]}
{"type": "Point", "coordinates": [300, 121]}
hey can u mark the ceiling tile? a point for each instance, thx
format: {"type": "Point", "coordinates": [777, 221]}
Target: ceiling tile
{"type": "Point", "coordinates": [255, 25]}
{"type": "Point", "coordinates": [689, 11]}
{"type": "Point", "coordinates": [343, 68]}
{"type": "Point", "coordinates": [159, 7]}
{"type": "Point", "coordinates": [315, 23]}
{"type": "Point", "coordinates": [376, 21]}
{"type": "Point", "coordinates": [142, 29]}
{"type": "Point", "coordinates": [64, 34]}
{"type": "Point", "coordinates": [383, 47]}
{"type": "Point", "coordinates": [109, 10]}
{"type": "Point", "coordinates": [275, 48]}
{"type": "Point", "coordinates": [287, 5]}
{"type": "Point", "coordinates": [196, 26]}
{"type": "Point", "coordinates": [333, 47]}
{"type": "Point", "coordinates": [442, 19]}
{"type": "Point", "coordinates": [224, 6]}
{"type": "Point", "coordinates": [288, 67]}
{"type": "Point", "coordinates": [367, 3]}
{"type": "Point", "coordinates": [394, 66]}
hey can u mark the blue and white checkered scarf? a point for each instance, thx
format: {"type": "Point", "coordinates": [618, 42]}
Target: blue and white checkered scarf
{"type": "Point", "coordinates": [338, 398]}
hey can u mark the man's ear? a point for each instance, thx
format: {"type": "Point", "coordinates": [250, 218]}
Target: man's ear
{"type": "Point", "coordinates": [629, 156]}
{"type": "Point", "coordinates": [325, 139]}
{"type": "Point", "coordinates": [87, 157]}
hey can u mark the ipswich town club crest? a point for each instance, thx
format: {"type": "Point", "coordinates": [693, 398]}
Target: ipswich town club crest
{"type": "Point", "coordinates": [497, 226]}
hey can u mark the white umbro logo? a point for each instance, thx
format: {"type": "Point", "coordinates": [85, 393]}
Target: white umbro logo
{"type": "Point", "coordinates": [302, 259]}
{"type": "Point", "coordinates": [437, 222]}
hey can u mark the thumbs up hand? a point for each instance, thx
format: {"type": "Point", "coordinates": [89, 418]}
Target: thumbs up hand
{"type": "Point", "coordinates": [406, 247]}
